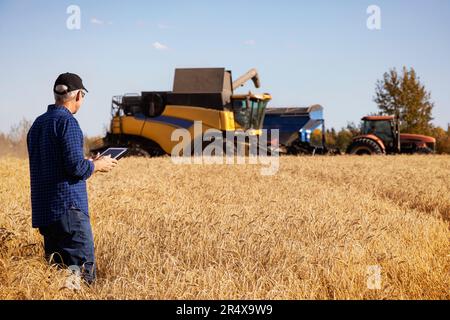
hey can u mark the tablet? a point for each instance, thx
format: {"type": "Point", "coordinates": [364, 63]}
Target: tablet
{"type": "Point", "coordinates": [115, 153]}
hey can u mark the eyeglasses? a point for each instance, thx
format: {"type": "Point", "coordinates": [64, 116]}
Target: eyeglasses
{"type": "Point", "coordinates": [83, 94]}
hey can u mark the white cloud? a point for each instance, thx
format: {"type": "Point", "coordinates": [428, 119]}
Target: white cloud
{"type": "Point", "coordinates": [97, 21]}
{"type": "Point", "coordinates": [159, 46]}
{"type": "Point", "coordinates": [250, 42]}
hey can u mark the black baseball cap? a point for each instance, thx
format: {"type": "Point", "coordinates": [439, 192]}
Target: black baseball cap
{"type": "Point", "coordinates": [71, 81]}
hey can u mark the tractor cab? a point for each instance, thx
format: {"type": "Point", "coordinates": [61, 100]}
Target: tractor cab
{"type": "Point", "coordinates": [382, 127]}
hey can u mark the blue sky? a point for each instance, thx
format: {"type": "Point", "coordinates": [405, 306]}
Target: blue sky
{"type": "Point", "coordinates": [307, 52]}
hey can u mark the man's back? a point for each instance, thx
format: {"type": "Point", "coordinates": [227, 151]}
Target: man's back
{"type": "Point", "coordinates": [58, 169]}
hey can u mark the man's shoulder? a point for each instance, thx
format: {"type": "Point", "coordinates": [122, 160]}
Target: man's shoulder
{"type": "Point", "coordinates": [58, 119]}
{"type": "Point", "coordinates": [59, 116]}
{"type": "Point", "coordinates": [39, 121]}
{"type": "Point", "coordinates": [58, 113]}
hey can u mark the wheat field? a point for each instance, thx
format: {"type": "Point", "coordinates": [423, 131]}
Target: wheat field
{"type": "Point", "coordinates": [312, 231]}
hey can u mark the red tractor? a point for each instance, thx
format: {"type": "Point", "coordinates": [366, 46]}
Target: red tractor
{"type": "Point", "coordinates": [381, 135]}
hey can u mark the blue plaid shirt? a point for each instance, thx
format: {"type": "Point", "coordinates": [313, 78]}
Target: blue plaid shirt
{"type": "Point", "coordinates": [58, 170]}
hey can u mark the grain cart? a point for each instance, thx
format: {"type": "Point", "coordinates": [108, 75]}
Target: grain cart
{"type": "Point", "coordinates": [296, 125]}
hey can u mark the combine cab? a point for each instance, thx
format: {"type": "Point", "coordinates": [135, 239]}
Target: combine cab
{"type": "Point", "coordinates": [381, 135]}
{"type": "Point", "coordinates": [145, 122]}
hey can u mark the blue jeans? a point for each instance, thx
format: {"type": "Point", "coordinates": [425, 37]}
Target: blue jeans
{"type": "Point", "coordinates": [69, 242]}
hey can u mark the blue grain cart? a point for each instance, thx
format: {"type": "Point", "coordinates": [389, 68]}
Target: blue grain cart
{"type": "Point", "coordinates": [296, 126]}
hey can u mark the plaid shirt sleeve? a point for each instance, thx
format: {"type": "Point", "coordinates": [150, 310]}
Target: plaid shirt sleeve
{"type": "Point", "coordinates": [71, 139]}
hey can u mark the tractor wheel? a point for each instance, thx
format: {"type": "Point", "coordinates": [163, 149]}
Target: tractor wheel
{"type": "Point", "coordinates": [363, 147]}
{"type": "Point", "coordinates": [423, 150]}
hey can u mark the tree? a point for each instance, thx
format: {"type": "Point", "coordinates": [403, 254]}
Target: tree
{"type": "Point", "coordinates": [316, 137]}
{"type": "Point", "coordinates": [14, 143]}
{"type": "Point", "coordinates": [442, 140]}
{"type": "Point", "coordinates": [406, 95]}
{"type": "Point", "coordinates": [330, 137]}
{"type": "Point", "coordinates": [353, 129]}
{"type": "Point", "coordinates": [342, 138]}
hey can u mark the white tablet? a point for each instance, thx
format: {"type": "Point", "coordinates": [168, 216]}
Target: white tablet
{"type": "Point", "coordinates": [115, 153]}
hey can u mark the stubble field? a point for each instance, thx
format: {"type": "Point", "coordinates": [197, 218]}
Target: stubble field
{"type": "Point", "coordinates": [312, 231]}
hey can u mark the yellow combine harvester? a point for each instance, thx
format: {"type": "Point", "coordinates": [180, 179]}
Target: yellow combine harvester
{"type": "Point", "coordinates": [144, 123]}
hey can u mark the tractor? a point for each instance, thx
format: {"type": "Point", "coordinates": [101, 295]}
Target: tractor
{"type": "Point", "coordinates": [381, 135]}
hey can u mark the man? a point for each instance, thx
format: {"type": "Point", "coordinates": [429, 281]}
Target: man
{"type": "Point", "coordinates": [58, 172]}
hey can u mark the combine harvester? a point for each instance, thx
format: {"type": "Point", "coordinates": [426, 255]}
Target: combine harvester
{"type": "Point", "coordinates": [145, 122]}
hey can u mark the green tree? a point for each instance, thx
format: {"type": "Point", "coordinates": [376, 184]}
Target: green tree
{"type": "Point", "coordinates": [405, 94]}
{"type": "Point", "coordinates": [342, 138]}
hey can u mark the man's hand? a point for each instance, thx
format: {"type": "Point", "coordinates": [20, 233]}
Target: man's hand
{"type": "Point", "coordinates": [93, 158]}
{"type": "Point", "coordinates": [104, 164]}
